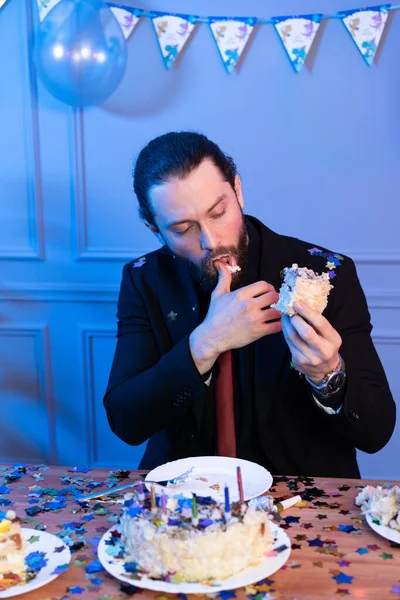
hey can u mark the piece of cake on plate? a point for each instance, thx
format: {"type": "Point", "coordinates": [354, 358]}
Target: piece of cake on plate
{"type": "Point", "coordinates": [382, 503]}
{"type": "Point", "coordinates": [211, 545]}
{"type": "Point", "coordinates": [12, 550]}
{"type": "Point", "coordinates": [303, 285]}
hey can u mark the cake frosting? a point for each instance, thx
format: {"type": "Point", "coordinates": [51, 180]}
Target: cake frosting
{"type": "Point", "coordinates": [382, 503]}
{"type": "Point", "coordinates": [303, 285]}
{"type": "Point", "coordinates": [12, 549]}
{"type": "Point", "coordinates": [212, 546]}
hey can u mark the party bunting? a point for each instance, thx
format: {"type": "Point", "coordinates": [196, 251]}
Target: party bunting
{"type": "Point", "coordinates": [172, 31]}
{"type": "Point", "coordinates": [297, 35]}
{"type": "Point", "coordinates": [126, 18]}
{"type": "Point", "coordinates": [231, 36]}
{"type": "Point", "coordinates": [366, 27]}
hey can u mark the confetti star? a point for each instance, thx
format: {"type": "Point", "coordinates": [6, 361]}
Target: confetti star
{"type": "Point", "coordinates": [342, 592]}
{"type": "Point", "coordinates": [172, 316]}
{"type": "Point", "coordinates": [343, 488]}
{"type": "Point", "coordinates": [321, 517]}
{"type": "Point", "coordinates": [395, 589]}
{"type": "Point", "coordinates": [343, 563]}
{"type": "Point", "coordinates": [343, 578]}
{"type": "Point", "coordinates": [386, 556]}
{"type": "Point", "coordinates": [362, 551]}
{"type": "Point", "coordinates": [373, 547]}
{"type": "Point", "coordinates": [34, 538]}
{"type": "Point", "coordinates": [307, 525]}
{"type": "Point", "coordinates": [76, 590]}
{"type": "Point", "coordinates": [347, 528]}
{"type": "Point", "coordinates": [315, 542]}
{"type": "Point", "coordinates": [300, 538]}
{"type": "Point", "coordinates": [296, 546]}
{"type": "Point", "coordinates": [291, 519]}
{"type": "Point", "coordinates": [330, 265]}
{"type": "Point", "coordinates": [226, 595]}
{"type": "Point", "coordinates": [318, 563]}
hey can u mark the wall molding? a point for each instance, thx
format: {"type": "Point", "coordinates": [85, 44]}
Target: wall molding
{"type": "Point", "coordinates": [41, 336]}
{"type": "Point", "coordinates": [35, 248]}
{"type": "Point", "coordinates": [59, 292]}
{"type": "Point", "coordinates": [86, 292]}
{"type": "Point", "coordinates": [88, 334]}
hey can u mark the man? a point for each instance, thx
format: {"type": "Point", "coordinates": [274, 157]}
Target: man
{"type": "Point", "coordinates": [204, 365]}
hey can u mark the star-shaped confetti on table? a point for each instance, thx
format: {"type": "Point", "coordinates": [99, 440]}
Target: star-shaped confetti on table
{"type": "Point", "coordinates": [227, 594]}
{"type": "Point", "coordinates": [342, 592]}
{"type": "Point", "coordinates": [76, 590]}
{"type": "Point", "coordinates": [307, 525]}
{"type": "Point", "coordinates": [171, 316]}
{"type": "Point", "coordinates": [343, 578]}
{"type": "Point", "coordinates": [373, 547]}
{"type": "Point", "coordinates": [300, 538]}
{"type": "Point", "coordinates": [318, 563]}
{"type": "Point", "coordinates": [347, 528]}
{"type": "Point", "coordinates": [386, 556]}
{"type": "Point", "coordinates": [315, 542]}
{"type": "Point", "coordinates": [320, 516]}
{"type": "Point", "coordinates": [296, 546]}
{"type": "Point", "coordinates": [343, 563]}
{"type": "Point", "coordinates": [362, 551]}
{"type": "Point", "coordinates": [395, 589]}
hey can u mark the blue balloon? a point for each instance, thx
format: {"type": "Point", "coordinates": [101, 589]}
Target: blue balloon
{"type": "Point", "coordinates": [80, 52]}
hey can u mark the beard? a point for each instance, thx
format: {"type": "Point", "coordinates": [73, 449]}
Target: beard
{"type": "Point", "coordinates": [206, 274]}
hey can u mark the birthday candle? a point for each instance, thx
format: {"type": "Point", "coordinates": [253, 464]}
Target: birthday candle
{"type": "Point", "coordinates": [153, 499]}
{"type": "Point", "coordinates": [240, 485]}
{"type": "Point", "coordinates": [195, 519]}
{"type": "Point", "coordinates": [227, 502]}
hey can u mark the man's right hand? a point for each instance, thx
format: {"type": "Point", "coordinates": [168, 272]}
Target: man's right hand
{"type": "Point", "coordinates": [234, 319]}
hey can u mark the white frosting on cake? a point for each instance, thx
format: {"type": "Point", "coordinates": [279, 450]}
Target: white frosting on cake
{"type": "Point", "coordinates": [303, 285]}
{"type": "Point", "coordinates": [381, 503]}
{"type": "Point", "coordinates": [12, 545]}
{"type": "Point", "coordinates": [196, 553]}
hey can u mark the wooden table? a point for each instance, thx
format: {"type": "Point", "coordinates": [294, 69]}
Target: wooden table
{"type": "Point", "coordinates": [334, 551]}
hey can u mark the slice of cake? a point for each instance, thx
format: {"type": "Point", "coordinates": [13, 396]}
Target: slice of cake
{"type": "Point", "coordinates": [382, 503]}
{"type": "Point", "coordinates": [303, 285]}
{"type": "Point", "coordinates": [211, 545]}
{"type": "Point", "coordinates": [12, 550]}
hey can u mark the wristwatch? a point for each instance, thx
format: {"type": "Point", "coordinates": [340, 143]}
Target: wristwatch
{"type": "Point", "coordinates": [332, 382]}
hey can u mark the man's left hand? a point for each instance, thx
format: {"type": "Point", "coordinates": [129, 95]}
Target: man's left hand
{"type": "Point", "coordinates": [313, 342]}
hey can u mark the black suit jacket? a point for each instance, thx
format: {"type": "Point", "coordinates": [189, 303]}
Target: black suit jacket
{"type": "Point", "coordinates": [155, 391]}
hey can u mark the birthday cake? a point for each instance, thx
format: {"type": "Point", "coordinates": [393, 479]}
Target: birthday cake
{"type": "Point", "coordinates": [193, 544]}
{"type": "Point", "coordinates": [12, 550]}
{"type": "Point", "coordinates": [302, 285]}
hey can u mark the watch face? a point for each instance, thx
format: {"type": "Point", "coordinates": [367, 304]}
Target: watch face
{"type": "Point", "coordinates": [334, 383]}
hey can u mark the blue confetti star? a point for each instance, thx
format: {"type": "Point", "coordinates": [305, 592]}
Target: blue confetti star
{"type": "Point", "coordinates": [4, 489]}
{"type": "Point", "coordinates": [343, 578]}
{"type": "Point", "coordinates": [362, 550]}
{"type": "Point", "coordinates": [76, 590]}
{"type": "Point", "coordinates": [347, 528]}
{"type": "Point", "coordinates": [291, 519]}
{"type": "Point", "coordinates": [60, 569]}
{"type": "Point", "coordinates": [225, 595]}
{"type": "Point", "coordinates": [315, 542]}
{"type": "Point", "coordinates": [94, 567]}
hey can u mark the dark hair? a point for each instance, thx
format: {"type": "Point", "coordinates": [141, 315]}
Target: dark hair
{"type": "Point", "coordinates": [175, 154]}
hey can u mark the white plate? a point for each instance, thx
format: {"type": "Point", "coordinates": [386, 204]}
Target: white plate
{"type": "Point", "coordinates": [383, 530]}
{"type": "Point", "coordinates": [267, 567]}
{"type": "Point", "coordinates": [47, 543]}
{"type": "Point", "coordinates": [217, 470]}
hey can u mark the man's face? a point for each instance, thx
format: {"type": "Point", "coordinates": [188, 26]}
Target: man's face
{"type": "Point", "coordinates": [200, 219]}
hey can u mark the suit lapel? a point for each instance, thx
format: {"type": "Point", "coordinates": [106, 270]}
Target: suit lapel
{"type": "Point", "coordinates": [177, 297]}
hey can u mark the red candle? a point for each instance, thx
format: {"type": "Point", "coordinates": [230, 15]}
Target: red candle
{"type": "Point", "coordinates": [240, 485]}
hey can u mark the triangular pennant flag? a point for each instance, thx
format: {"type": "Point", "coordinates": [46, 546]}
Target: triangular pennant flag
{"type": "Point", "coordinates": [127, 20]}
{"type": "Point", "coordinates": [45, 6]}
{"type": "Point", "coordinates": [172, 31]}
{"type": "Point", "coordinates": [231, 36]}
{"type": "Point", "coordinates": [297, 35]}
{"type": "Point", "coordinates": [366, 27]}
